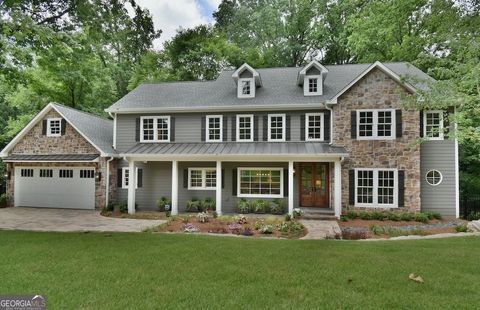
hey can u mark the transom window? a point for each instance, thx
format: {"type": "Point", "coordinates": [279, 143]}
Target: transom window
{"type": "Point", "coordinates": [202, 178]}
{"type": "Point", "coordinates": [65, 173]}
{"type": "Point", "coordinates": [214, 128]}
{"type": "Point", "coordinates": [54, 127]}
{"type": "Point", "coordinates": [26, 173]}
{"type": "Point", "coordinates": [313, 85]}
{"type": "Point", "coordinates": [434, 177]}
{"type": "Point", "coordinates": [376, 187]}
{"type": "Point", "coordinates": [126, 177]}
{"type": "Point", "coordinates": [276, 127]}
{"type": "Point", "coordinates": [46, 173]}
{"type": "Point", "coordinates": [87, 174]}
{"type": "Point", "coordinates": [376, 124]}
{"type": "Point", "coordinates": [314, 126]}
{"type": "Point", "coordinates": [155, 128]}
{"type": "Point", "coordinates": [245, 127]}
{"type": "Point", "coordinates": [433, 125]}
{"type": "Point", "coordinates": [260, 182]}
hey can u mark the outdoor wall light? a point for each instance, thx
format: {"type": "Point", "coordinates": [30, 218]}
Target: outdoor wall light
{"type": "Point", "coordinates": [7, 175]}
{"type": "Point", "coordinates": [98, 176]}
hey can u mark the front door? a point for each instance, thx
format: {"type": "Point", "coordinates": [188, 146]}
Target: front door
{"type": "Point", "coordinates": [314, 185]}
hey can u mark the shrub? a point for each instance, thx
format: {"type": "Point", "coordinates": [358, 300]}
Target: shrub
{"type": "Point", "coordinates": [247, 231]}
{"type": "Point", "coordinates": [406, 217]}
{"type": "Point", "coordinates": [473, 216]}
{"type": "Point", "coordinates": [243, 206]}
{"type": "Point", "coordinates": [461, 228]}
{"type": "Point", "coordinates": [421, 217]}
{"type": "Point", "coordinates": [235, 228]}
{"type": "Point", "coordinates": [297, 212]}
{"type": "Point", "coordinates": [266, 229]}
{"type": "Point", "coordinates": [393, 217]}
{"type": "Point", "coordinates": [433, 215]}
{"type": "Point", "coordinates": [240, 219]}
{"type": "Point", "coordinates": [364, 215]}
{"type": "Point", "coordinates": [352, 214]}
{"type": "Point", "coordinates": [123, 208]}
{"type": "Point", "coordinates": [190, 228]}
{"type": "Point", "coordinates": [185, 219]}
{"type": "Point", "coordinates": [378, 215]}
{"type": "Point", "coordinates": [278, 206]}
{"type": "Point", "coordinates": [3, 200]}
{"type": "Point", "coordinates": [260, 206]}
{"type": "Point", "coordinates": [343, 218]}
{"type": "Point", "coordinates": [208, 204]}
{"type": "Point", "coordinates": [288, 217]}
{"type": "Point", "coordinates": [203, 217]}
{"type": "Point", "coordinates": [193, 205]}
{"type": "Point", "coordinates": [377, 230]}
{"type": "Point", "coordinates": [162, 202]}
{"type": "Point", "coordinates": [293, 227]}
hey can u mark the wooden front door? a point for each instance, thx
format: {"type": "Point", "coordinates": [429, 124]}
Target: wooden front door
{"type": "Point", "coordinates": [314, 185]}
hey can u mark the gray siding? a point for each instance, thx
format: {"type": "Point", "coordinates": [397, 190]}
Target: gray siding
{"type": "Point", "coordinates": [438, 155]}
{"type": "Point", "coordinates": [188, 126]}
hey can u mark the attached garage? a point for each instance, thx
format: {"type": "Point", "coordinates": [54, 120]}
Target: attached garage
{"type": "Point", "coordinates": [54, 187]}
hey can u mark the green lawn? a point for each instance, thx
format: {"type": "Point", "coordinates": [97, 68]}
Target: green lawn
{"type": "Point", "coordinates": [147, 271]}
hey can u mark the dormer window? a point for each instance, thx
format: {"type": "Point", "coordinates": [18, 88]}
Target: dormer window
{"type": "Point", "coordinates": [313, 85]}
{"type": "Point", "coordinates": [246, 88]}
{"type": "Point", "coordinates": [311, 78]}
{"type": "Point", "coordinates": [247, 80]}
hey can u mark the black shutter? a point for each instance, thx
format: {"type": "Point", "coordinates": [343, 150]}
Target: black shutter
{"type": "Point", "coordinates": [285, 182]}
{"type": "Point", "coordinates": [234, 182]}
{"type": "Point", "coordinates": [225, 127]}
{"type": "Point", "coordinates": [64, 126]}
{"type": "Point", "coordinates": [234, 128]}
{"type": "Point", "coordinates": [287, 128]}
{"type": "Point", "coordinates": [137, 129]}
{"type": "Point", "coordinates": [353, 124]}
{"type": "Point", "coordinates": [446, 121]}
{"type": "Point", "coordinates": [351, 187]}
{"type": "Point", "coordinates": [255, 128]}
{"type": "Point", "coordinates": [185, 178]}
{"type": "Point", "coordinates": [119, 177]}
{"type": "Point", "coordinates": [399, 123]}
{"type": "Point", "coordinates": [421, 124]}
{"type": "Point", "coordinates": [223, 178]}
{"type": "Point", "coordinates": [265, 128]}
{"type": "Point", "coordinates": [401, 188]}
{"type": "Point", "coordinates": [140, 178]}
{"type": "Point", "coordinates": [302, 127]}
{"type": "Point", "coordinates": [203, 126]}
{"type": "Point", "coordinates": [44, 128]}
{"type": "Point", "coordinates": [326, 123]}
{"type": "Point", "coordinates": [172, 129]}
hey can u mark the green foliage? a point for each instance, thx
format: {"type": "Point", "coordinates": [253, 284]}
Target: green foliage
{"type": "Point", "coordinates": [3, 200]}
{"type": "Point", "coordinates": [162, 202]}
{"type": "Point", "coordinates": [393, 217]}
{"type": "Point", "coordinates": [193, 205]}
{"type": "Point", "coordinates": [260, 206]}
{"type": "Point", "coordinates": [421, 217]}
{"type": "Point", "coordinates": [461, 228]}
{"type": "Point", "coordinates": [352, 214]}
{"type": "Point", "coordinates": [406, 216]}
{"type": "Point", "coordinates": [208, 204]}
{"type": "Point", "coordinates": [123, 208]}
{"type": "Point", "coordinates": [243, 206]}
{"type": "Point", "coordinates": [277, 206]}
{"type": "Point", "coordinates": [473, 216]}
{"type": "Point", "coordinates": [364, 215]}
{"type": "Point", "coordinates": [378, 215]}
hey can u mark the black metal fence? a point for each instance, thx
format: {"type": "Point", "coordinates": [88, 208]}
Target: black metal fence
{"type": "Point", "coordinates": [469, 206]}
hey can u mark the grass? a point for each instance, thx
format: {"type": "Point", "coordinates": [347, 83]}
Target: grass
{"type": "Point", "coordinates": [161, 271]}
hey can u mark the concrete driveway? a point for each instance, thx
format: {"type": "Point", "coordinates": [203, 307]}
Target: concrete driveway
{"type": "Point", "coordinates": [41, 219]}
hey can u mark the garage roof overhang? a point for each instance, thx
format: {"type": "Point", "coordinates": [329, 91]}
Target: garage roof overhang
{"type": "Point", "coordinates": [52, 158]}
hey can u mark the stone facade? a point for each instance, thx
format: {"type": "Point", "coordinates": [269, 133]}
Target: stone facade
{"type": "Point", "coordinates": [378, 91]}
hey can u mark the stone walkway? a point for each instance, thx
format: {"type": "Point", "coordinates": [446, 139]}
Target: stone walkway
{"type": "Point", "coordinates": [66, 220]}
{"type": "Point", "coordinates": [321, 229]}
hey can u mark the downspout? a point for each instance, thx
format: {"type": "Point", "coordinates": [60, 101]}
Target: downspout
{"type": "Point", "coordinates": [331, 123]}
{"type": "Point", "coordinates": [107, 180]}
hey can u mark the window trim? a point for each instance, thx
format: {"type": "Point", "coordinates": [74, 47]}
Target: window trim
{"type": "Point", "coordinates": [393, 134]}
{"type": "Point", "coordinates": [433, 170]}
{"type": "Point", "coordinates": [252, 127]}
{"type": "Point", "coordinates": [207, 135]}
{"type": "Point", "coordinates": [49, 128]}
{"type": "Point", "coordinates": [375, 203]}
{"type": "Point", "coordinates": [440, 134]}
{"type": "Point", "coordinates": [306, 84]}
{"type": "Point", "coordinates": [284, 117]}
{"type": "Point", "coordinates": [124, 186]}
{"type": "Point", "coordinates": [240, 88]}
{"type": "Point", "coordinates": [322, 132]}
{"type": "Point", "coordinates": [282, 180]}
{"type": "Point", "coordinates": [155, 129]}
{"type": "Point", "coordinates": [204, 178]}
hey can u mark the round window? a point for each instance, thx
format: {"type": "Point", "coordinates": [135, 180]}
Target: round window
{"type": "Point", "coordinates": [434, 177]}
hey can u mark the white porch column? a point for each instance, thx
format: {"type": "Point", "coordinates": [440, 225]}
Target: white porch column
{"type": "Point", "coordinates": [218, 199]}
{"type": "Point", "coordinates": [338, 188]}
{"type": "Point", "coordinates": [174, 187]}
{"type": "Point", "coordinates": [290, 187]}
{"type": "Point", "coordinates": [132, 182]}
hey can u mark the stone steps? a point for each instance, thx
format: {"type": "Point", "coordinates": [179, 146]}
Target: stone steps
{"type": "Point", "coordinates": [474, 226]}
{"type": "Point", "coordinates": [319, 214]}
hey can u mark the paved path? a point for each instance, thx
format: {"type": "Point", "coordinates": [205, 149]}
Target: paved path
{"type": "Point", "coordinates": [322, 229]}
{"type": "Point", "coordinates": [41, 219]}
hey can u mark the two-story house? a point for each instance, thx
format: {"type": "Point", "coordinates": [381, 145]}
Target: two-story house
{"type": "Point", "coordinates": [327, 137]}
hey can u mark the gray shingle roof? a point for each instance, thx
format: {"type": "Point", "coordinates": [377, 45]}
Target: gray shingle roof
{"type": "Point", "coordinates": [60, 157]}
{"type": "Point", "coordinates": [279, 87]}
{"type": "Point", "coordinates": [97, 129]}
{"type": "Point", "coordinates": [236, 148]}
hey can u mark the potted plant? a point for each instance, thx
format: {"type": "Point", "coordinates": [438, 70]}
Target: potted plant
{"type": "Point", "coordinates": [278, 206]}
{"type": "Point", "coordinates": [243, 206]}
{"type": "Point", "coordinates": [193, 205]}
{"type": "Point", "coordinates": [164, 204]}
{"type": "Point", "coordinates": [208, 204]}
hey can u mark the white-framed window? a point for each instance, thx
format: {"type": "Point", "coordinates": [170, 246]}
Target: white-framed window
{"type": "Point", "coordinates": [202, 178]}
{"type": "Point", "coordinates": [314, 126]}
{"type": "Point", "coordinates": [375, 124]}
{"type": "Point", "coordinates": [433, 124]}
{"type": "Point", "coordinates": [54, 127]}
{"type": "Point", "coordinates": [245, 127]}
{"type": "Point", "coordinates": [65, 173]}
{"type": "Point", "coordinates": [376, 187]}
{"type": "Point", "coordinates": [276, 127]}
{"type": "Point", "coordinates": [260, 182]}
{"type": "Point", "coordinates": [312, 85]}
{"type": "Point", "coordinates": [434, 177]}
{"type": "Point", "coordinates": [246, 88]}
{"type": "Point", "coordinates": [87, 174]}
{"type": "Point", "coordinates": [26, 173]}
{"type": "Point", "coordinates": [214, 128]}
{"type": "Point", "coordinates": [46, 173]}
{"type": "Point", "coordinates": [155, 129]}
{"type": "Point", "coordinates": [126, 177]}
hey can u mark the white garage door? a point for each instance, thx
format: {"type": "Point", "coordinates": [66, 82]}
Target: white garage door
{"type": "Point", "coordinates": [59, 187]}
